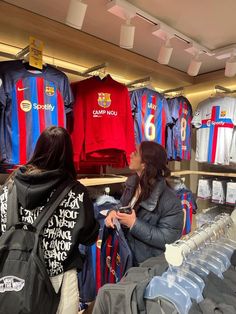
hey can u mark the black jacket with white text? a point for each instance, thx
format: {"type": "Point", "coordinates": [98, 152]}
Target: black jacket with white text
{"type": "Point", "coordinates": [72, 223]}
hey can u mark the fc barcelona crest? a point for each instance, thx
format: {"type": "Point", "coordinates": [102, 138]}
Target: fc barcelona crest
{"type": "Point", "coordinates": [49, 90]}
{"type": "Point", "coordinates": [104, 100]}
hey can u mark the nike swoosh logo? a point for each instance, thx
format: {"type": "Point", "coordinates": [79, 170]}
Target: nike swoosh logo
{"type": "Point", "coordinates": [21, 89]}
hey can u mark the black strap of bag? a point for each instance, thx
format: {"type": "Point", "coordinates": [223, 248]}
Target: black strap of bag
{"type": "Point", "coordinates": [12, 206]}
{"type": "Point", "coordinates": [55, 200]}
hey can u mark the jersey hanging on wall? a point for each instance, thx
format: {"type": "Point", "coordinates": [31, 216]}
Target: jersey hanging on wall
{"type": "Point", "coordinates": [179, 135]}
{"type": "Point", "coordinates": [151, 115]}
{"type": "Point", "coordinates": [102, 118]}
{"type": "Point", "coordinates": [215, 119]}
{"type": "Point", "coordinates": [31, 101]}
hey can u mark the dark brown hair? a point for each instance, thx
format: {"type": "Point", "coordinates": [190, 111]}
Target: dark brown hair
{"type": "Point", "coordinates": [154, 157]}
{"type": "Point", "coordinates": [53, 150]}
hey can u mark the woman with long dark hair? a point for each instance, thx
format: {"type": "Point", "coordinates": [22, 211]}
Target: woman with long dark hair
{"type": "Point", "coordinates": [156, 217]}
{"type": "Point", "coordinates": [71, 224]}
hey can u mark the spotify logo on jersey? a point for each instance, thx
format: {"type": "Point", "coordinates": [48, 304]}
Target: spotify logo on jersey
{"type": "Point", "coordinates": [26, 105]}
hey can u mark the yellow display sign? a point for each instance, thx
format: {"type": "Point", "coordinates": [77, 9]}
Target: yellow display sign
{"type": "Point", "coordinates": [36, 53]}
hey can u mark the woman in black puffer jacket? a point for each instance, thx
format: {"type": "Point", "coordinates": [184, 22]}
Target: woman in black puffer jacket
{"type": "Point", "coordinates": [157, 216]}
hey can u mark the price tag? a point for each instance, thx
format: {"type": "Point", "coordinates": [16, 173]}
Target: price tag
{"type": "Point", "coordinates": [35, 53]}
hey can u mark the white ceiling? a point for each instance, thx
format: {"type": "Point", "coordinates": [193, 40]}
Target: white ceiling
{"type": "Point", "coordinates": [211, 23]}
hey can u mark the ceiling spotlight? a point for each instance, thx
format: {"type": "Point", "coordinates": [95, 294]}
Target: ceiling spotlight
{"type": "Point", "coordinates": [76, 13]}
{"type": "Point", "coordinates": [165, 53]}
{"type": "Point", "coordinates": [127, 35]}
{"type": "Point", "coordinates": [194, 65]}
{"type": "Point", "coordinates": [230, 66]}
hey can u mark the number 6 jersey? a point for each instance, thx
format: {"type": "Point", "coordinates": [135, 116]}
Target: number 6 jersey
{"type": "Point", "coordinates": [151, 115]}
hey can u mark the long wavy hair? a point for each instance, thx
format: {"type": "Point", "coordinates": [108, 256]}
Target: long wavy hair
{"type": "Point", "coordinates": [154, 157]}
{"type": "Point", "coordinates": [53, 151]}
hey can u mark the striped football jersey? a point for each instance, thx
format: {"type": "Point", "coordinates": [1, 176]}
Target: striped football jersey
{"type": "Point", "coordinates": [179, 136]}
{"type": "Point", "coordinates": [151, 115]}
{"type": "Point", "coordinates": [116, 257]}
{"type": "Point", "coordinates": [31, 101]}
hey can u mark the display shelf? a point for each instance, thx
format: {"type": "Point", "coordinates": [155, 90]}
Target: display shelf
{"type": "Point", "coordinates": [122, 179]}
{"type": "Point", "coordinates": [205, 173]}
{"type": "Point", "coordinates": [102, 180]}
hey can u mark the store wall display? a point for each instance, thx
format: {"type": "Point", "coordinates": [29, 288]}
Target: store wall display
{"type": "Point", "coordinates": [66, 43]}
{"type": "Point", "coordinates": [30, 101]}
{"type": "Point", "coordinates": [215, 120]}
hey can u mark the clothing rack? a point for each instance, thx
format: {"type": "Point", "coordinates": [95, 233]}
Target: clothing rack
{"type": "Point", "coordinates": [176, 253]}
{"type": "Point", "coordinates": [225, 89]}
{"type": "Point", "coordinates": [23, 53]}
{"type": "Point", "coordinates": [146, 79]}
{"type": "Point", "coordinates": [172, 90]}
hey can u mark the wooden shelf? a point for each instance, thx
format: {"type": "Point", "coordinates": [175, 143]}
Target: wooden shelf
{"type": "Point", "coordinates": [205, 173]}
{"type": "Point", "coordinates": [102, 181]}
{"type": "Point", "coordinates": [122, 179]}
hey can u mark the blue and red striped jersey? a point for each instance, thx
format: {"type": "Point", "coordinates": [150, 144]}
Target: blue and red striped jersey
{"type": "Point", "coordinates": [116, 257]}
{"type": "Point", "coordinates": [151, 115]}
{"type": "Point", "coordinates": [189, 206]}
{"type": "Point", "coordinates": [179, 136]}
{"type": "Point", "coordinates": [31, 101]}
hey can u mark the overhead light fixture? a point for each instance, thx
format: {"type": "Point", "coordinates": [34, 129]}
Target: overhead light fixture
{"type": "Point", "coordinates": [230, 66]}
{"type": "Point", "coordinates": [165, 33]}
{"type": "Point", "coordinates": [76, 13]}
{"type": "Point", "coordinates": [127, 35]}
{"type": "Point", "coordinates": [165, 52]}
{"type": "Point", "coordinates": [194, 65]}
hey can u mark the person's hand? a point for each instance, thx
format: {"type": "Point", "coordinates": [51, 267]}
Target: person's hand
{"type": "Point", "coordinates": [126, 219]}
{"type": "Point", "coordinates": [109, 219]}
